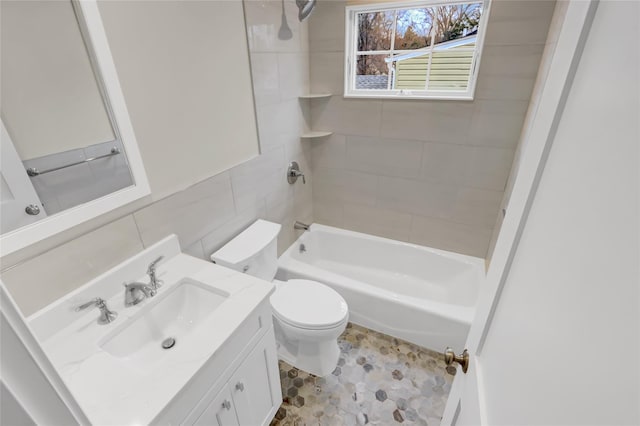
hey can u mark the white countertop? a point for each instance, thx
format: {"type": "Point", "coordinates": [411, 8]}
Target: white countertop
{"type": "Point", "coordinates": [113, 391]}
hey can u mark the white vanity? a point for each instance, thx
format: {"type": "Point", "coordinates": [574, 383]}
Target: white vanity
{"type": "Point", "coordinates": [222, 368]}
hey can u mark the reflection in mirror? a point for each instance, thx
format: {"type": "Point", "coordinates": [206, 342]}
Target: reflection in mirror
{"type": "Point", "coordinates": [60, 145]}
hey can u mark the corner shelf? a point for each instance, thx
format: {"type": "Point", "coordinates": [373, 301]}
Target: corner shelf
{"type": "Point", "coordinates": [315, 96]}
{"type": "Point", "coordinates": [313, 134]}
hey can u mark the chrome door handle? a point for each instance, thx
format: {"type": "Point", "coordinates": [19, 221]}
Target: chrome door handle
{"type": "Point", "coordinates": [32, 209]}
{"type": "Point", "coordinates": [450, 357]}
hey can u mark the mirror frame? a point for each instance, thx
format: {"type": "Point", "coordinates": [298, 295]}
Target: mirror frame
{"type": "Point", "coordinates": [94, 35]}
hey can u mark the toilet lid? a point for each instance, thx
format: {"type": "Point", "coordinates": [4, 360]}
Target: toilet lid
{"type": "Point", "coordinates": [308, 304]}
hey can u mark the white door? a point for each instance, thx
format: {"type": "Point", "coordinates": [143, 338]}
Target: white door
{"type": "Point", "coordinates": [16, 191]}
{"type": "Point", "coordinates": [557, 342]}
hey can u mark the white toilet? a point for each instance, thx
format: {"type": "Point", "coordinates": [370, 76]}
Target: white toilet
{"type": "Point", "coordinates": [308, 316]}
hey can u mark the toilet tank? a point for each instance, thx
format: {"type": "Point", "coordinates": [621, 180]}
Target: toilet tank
{"type": "Point", "coordinates": [254, 251]}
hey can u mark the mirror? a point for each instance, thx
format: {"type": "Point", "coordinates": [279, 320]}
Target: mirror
{"type": "Point", "coordinates": [68, 150]}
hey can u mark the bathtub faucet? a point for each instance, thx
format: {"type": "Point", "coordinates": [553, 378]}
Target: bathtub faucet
{"type": "Point", "coordinates": [300, 225]}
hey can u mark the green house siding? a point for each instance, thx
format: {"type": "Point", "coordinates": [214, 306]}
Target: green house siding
{"type": "Point", "coordinates": [450, 69]}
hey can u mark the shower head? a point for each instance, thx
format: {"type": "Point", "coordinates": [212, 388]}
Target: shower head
{"type": "Point", "coordinates": [285, 32]}
{"type": "Point", "coordinates": [305, 7]}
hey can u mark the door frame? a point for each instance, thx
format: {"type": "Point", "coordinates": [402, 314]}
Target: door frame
{"type": "Point", "coordinates": [538, 139]}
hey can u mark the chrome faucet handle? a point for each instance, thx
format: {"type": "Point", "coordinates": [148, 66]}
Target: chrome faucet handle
{"type": "Point", "coordinates": [106, 315]}
{"type": "Point", "coordinates": [151, 271]}
{"type": "Point", "coordinates": [136, 292]}
{"type": "Point", "coordinates": [293, 173]}
{"type": "Point", "coordinates": [152, 265]}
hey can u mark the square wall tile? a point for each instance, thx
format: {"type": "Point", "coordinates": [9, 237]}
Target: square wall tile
{"type": "Point", "coordinates": [329, 152]}
{"type": "Point", "coordinates": [489, 168]}
{"type": "Point", "coordinates": [224, 233]}
{"type": "Point", "coordinates": [293, 70]}
{"type": "Point", "coordinates": [435, 121]}
{"type": "Point", "coordinates": [344, 186]}
{"type": "Point", "coordinates": [456, 237]}
{"type": "Point", "coordinates": [475, 206]}
{"type": "Point", "coordinates": [43, 279]}
{"type": "Point", "coordinates": [265, 76]}
{"type": "Point", "coordinates": [417, 197]}
{"type": "Point", "coordinates": [195, 250]}
{"type": "Point", "coordinates": [519, 22]}
{"type": "Point", "coordinates": [328, 213]}
{"type": "Point", "coordinates": [190, 214]}
{"type": "Point", "coordinates": [446, 163]}
{"type": "Point", "coordinates": [497, 123]}
{"type": "Point", "coordinates": [377, 221]}
{"type": "Point", "coordinates": [263, 19]}
{"type": "Point", "coordinates": [327, 25]}
{"type": "Point", "coordinates": [327, 72]}
{"type": "Point", "coordinates": [347, 116]}
{"type": "Point", "coordinates": [392, 157]}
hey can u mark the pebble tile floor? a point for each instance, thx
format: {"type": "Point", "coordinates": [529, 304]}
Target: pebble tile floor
{"type": "Point", "coordinates": [379, 380]}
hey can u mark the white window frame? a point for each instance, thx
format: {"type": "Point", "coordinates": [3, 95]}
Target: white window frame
{"type": "Point", "coordinates": [351, 43]}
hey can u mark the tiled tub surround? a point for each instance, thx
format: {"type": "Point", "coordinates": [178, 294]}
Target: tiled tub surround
{"type": "Point", "coordinates": [420, 294]}
{"type": "Point", "coordinates": [379, 380]}
{"type": "Point", "coordinates": [545, 63]}
{"type": "Point", "coordinates": [436, 170]}
{"type": "Point", "coordinates": [209, 213]}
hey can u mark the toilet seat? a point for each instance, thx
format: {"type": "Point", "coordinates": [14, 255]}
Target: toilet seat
{"type": "Point", "coordinates": [309, 304]}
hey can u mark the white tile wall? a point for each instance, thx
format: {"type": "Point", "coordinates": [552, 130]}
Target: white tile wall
{"type": "Point", "coordinates": [45, 278]}
{"type": "Point", "coordinates": [392, 157]}
{"type": "Point", "coordinates": [431, 172]}
{"type": "Point", "coordinates": [545, 62]}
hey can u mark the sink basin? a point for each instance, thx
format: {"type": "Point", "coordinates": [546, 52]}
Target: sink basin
{"type": "Point", "coordinates": [174, 314]}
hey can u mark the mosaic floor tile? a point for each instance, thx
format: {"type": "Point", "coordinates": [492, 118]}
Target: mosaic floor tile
{"type": "Point", "coordinates": [379, 380]}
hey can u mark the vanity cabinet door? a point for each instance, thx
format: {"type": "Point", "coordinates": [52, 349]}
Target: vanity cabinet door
{"type": "Point", "coordinates": [220, 412]}
{"type": "Point", "coordinates": [255, 386]}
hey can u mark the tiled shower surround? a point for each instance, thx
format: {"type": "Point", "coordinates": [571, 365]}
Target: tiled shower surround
{"type": "Point", "coordinates": [379, 380]}
{"type": "Point", "coordinates": [433, 169]}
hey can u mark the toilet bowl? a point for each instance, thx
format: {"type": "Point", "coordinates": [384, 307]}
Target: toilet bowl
{"type": "Point", "coordinates": [308, 316]}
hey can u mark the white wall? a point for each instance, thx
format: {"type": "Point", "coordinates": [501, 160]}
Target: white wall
{"type": "Point", "coordinates": [564, 343]}
{"type": "Point", "coordinates": [428, 172]}
{"type": "Point", "coordinates": [184, 71]}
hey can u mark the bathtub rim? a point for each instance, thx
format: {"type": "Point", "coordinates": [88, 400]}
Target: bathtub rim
{"type": "Point", "coordinates": [294, 268]}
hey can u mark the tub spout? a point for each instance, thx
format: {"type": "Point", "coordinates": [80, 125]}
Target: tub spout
{"type": "Point", "coordinates": [300, 225]}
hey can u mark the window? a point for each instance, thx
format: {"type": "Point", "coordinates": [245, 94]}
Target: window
{"type": "Point", "coordinates": [419, 49]}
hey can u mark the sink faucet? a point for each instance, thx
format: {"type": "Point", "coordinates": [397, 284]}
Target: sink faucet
{"type": "Point", "coordinates": [154, 282]}
{"type": "Point", "coordinates": [106, 315]}
{"type": "Point", "coordinates": [136, 292]}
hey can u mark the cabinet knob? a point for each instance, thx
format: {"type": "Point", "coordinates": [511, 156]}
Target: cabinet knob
{"type": "Point", "coordinates": [240, 386]}
{"type": "Point", "coordinates": [226, 404]}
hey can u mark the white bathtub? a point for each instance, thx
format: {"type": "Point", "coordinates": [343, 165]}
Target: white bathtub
{"type": "Point", "coordinates": [420, 294]}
